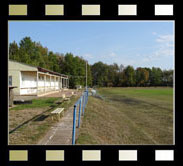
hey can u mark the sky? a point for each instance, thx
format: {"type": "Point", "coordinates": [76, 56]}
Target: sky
{"type": "Point", "coordinates": [139, 44]}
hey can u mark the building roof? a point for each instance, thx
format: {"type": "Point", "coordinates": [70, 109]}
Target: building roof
{"type": "Point", "coordinates": [51, 72]}
{"type": "Point", "coordinates": [14, 65]}
{"type": "Point", "coordinates": [40, 69]}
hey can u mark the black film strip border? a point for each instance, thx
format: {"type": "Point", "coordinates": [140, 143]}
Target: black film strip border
{"type": "Point", "coordinates": [146, 154]}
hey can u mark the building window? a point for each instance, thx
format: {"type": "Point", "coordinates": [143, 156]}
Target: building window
{"type": "Point", "coordinates": [10, 80]}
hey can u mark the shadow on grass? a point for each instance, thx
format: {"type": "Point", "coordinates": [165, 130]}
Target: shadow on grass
{"type": "Point", "coordinates": [32, 119]}
{"type": "Point", "coordinates": [53, 105]}
{"type": "Point", "coordinates": [136, 102]}
{"type": "Point", "coordinates": [128, 101]}
{"type": "Point", "coordinates": [41, 118]}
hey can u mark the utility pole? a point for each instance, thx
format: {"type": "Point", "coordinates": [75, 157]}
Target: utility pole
{"type": "Point", "coordinates": [86, 75]}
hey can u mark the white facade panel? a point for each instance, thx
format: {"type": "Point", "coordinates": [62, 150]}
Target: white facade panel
{"type": "Point", "coordinates": [28, 91]}
{"type": "Point", "coordinates": [52, 81]}
{"type": "Point", "coordinates": [47, 81]}
{"type": "Point", "coordinates": [57, 83]}
{"type": "Point", "coordinates": [28, 80]}
{"type": "Point", "coordinates": [41, 81]}
{"type": "Point", "coordinates": [28, 83]}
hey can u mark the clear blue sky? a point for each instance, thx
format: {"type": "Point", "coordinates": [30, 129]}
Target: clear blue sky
{"type": "Point", "coordinates": [140, 44]}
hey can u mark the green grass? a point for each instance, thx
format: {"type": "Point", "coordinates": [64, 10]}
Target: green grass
{"type": "Point", "coordinates": [129, 116]}
{"type": "Point", "coordinates": [159, 93]}
{"type": "Point", "coordinates": [38, 103]}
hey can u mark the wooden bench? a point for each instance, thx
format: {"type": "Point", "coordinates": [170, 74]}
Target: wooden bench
{"type": "Point", "coordinates": [58, 112]}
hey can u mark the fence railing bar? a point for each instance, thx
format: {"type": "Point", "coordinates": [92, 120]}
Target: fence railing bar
{"type": "Point", "coordinates": [82, 104]}
{"type": "Point", "coordinates": [74, 126]}
{"type": "Point", "coordinates": [79, 115]}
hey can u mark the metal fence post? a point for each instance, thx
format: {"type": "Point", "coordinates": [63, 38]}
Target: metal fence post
{"type": "Point", "coordinates": [85, 98]}
{"type": "Point", "coordinates": [79, 116]}
{"type": "Point", "coordinates": [74, 126]}
{"type": "Point", "coordinates": [83, 102]}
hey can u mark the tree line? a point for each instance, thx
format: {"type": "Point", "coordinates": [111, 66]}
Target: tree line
{"type": "Point", "coordinates": [98, 74]}
{"type": "Point", "coordinates": [119, 76]}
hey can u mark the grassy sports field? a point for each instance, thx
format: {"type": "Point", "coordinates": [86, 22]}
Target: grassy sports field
{"type": "Point", "coordinates": [129, 116]}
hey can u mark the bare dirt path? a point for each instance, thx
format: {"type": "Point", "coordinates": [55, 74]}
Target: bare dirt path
{"type": "Point", "coordinates": [61, 132]}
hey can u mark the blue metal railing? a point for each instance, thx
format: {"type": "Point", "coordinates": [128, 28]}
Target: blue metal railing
{"type": "Point", "coordinates": [82, 104]}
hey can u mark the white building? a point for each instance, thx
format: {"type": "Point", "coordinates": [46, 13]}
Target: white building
{"type": "Point", "coordinates": [31, 80]}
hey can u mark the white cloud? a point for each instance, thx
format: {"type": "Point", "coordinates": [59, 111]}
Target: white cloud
{"type": "Point", "coordinates": [164, 48]}
{"type": "Point", "coordinates": [112, 55]}
{"type": "Point", "coordinates": [127, 62]}
{"type": "Point", "coordinates": [166, 39]}
{"type": "Point", "coordinates": [163, 52]}
{"type": "Point", "coordinates": [88, 56]}
{"type": "Point", "coordinates": [159, 54]}
{"type": "Point", "coordinates": [165, 45]}
{"type": "Point", "coordinates": [154, 33]}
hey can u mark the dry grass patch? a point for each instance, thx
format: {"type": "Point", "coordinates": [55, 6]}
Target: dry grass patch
{"type": "Point", "coordinates": [29, 123]}
{"type": "Point", "coordinates": [126, 116]}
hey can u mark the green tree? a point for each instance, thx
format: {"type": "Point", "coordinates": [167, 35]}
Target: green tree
{"type": "Point", "coordinates": [14, 51]}
{"type": "Point", "coordinates": [156, 76]}
{"type": "Point", "coordinates": [142, 76]}
{"type": "Point", "coordinates": [100, 74]}
{"type": "Point", "coordinates": [113, 75]}
{"type": "Point", "coordinates": [167, 78]}
{"type": "Point", "coordinates": [128, 76]}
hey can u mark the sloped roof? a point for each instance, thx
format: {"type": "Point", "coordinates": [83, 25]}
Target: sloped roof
{"type": "Point", "coordinates": [51, 72]}
{"type": "Point", "coordinates": [34, 68]}
{"type": "Point", "coordinates": [14, 65]}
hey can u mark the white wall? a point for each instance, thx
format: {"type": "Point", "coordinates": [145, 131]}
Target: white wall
{"type": "Point", "coordinates": [41, 81]}
{"type": "Point", "coordinates": [57, 83]}
{"type": "Point", "coordinates": [47, 81]}
{"type": "Point", "coordinates": [52, 81]}
{"type": "Point", "coordinates": [28, 83]}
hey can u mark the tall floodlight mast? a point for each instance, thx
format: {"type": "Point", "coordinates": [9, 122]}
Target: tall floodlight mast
{"type": "Point", "coordinates": [86, 75]}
